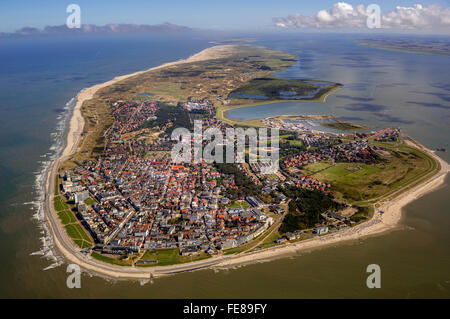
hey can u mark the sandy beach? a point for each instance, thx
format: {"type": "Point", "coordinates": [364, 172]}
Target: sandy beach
{"type": "Point", "coordinates": [378, 224]}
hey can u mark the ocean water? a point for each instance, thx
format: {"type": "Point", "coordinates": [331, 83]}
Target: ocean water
{"type": "Point", "coordinates": [40, 77]}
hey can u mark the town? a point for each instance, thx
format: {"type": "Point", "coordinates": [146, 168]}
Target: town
{"type": "Point", "coordinates": [134, 198]}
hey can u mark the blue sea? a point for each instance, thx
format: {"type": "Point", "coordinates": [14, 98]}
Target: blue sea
{"type": "Point", "coordinates": [40, 77]}
{"type": "Point", "coordinates": [39, 80]}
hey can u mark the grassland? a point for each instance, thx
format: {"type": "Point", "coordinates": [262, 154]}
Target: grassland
{"type": "Point", "coordinates": [66, 217]}
{"type": "Point", "coordinates": [70, 222]}
{"type": "Point", "coordinates": [314, 168]}
{"type": "Point", "coordinates": [295, 142]}
{"type": "Point", "coordinates": [362, 184]}
{"type": "Point", "coordinates": [78, 235]}
{"type": "Point", "coordinates": [161, 257]}
{"type": "Point", "coordinates": [269, 241]}
{"type": "Point", "coordinates": [166, 257]}
{"type": "Point", "coordinates": [275, 88]}
{"type": "Point", "coordinates": [238, 204]}
{"type": "Point", "coordinates": [119, 261]}
{"type": "Point", "coordinates": [213, 79]}
{"type": "Point", "coordinates": [345, 126]}
{"type": "Point", "coordinates": [56, 185]}
{"type": "Point", "coordinates": [89, 201]}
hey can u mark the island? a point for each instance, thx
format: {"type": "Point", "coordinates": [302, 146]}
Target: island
{"type": "Point", "coordinates": [439, 46]}
{"type": "Point", "coordinates": [118, 205]}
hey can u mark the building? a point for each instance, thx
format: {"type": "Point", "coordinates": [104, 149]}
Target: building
{"type": "Point", "coordinates": [321, 230]}
{"type": "Point", "coordinates": [81, 196]}
{"type": "Point", "coordinates": [81, 207]}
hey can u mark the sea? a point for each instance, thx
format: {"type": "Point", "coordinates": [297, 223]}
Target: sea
{"type": "Point", "coordinates": [39, 81]}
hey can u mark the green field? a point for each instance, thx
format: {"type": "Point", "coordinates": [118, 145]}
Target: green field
{"type": "Point", "coordinates": [89, 201]}
{"type": "Point", "coordinates": [56, 185]}
{"type": "Point", "coordinates": [313, 168]}
{"type": "Point", "coordinates": [59, 204]}
{"type": "Point", "coordinates": [292, 142]}
{"type": "Point", "coordinates": [360, 183]}
{"type": "Point", "coordinates": [270, 240]}
{"type": "Point", "coordinates": [272, 88]}
{"type": "Point", "coordinates": [239, 204]}
{"type": "Point", "coordinates": [114, 261]}
{"type": "Point", "coordinates": [347, 173]}
{"type": "Point", "coordinates": [63, 210]}
{"type": "Point", "coordinates": [167, 257]}
{"type": "Point", "coordinates": [295, 142]}
{"type": "Point", "coordinates": [68, 219]}
{"type": "Point", "coordinates": [78, 235]}
{"type": "Point", "coordinates": [341, 125]}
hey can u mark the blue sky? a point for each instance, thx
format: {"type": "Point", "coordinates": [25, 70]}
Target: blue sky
{"type": "Point", "coordinates": [207, 14]}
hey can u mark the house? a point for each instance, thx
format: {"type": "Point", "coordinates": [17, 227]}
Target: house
{"type": "Point", "coordinates": [281, 240]}
{"type": "Point", "coordinates": [291, 236]}
{"type": "Point", "coordinates": [335, 215]}
{"type": "Point", "coordinates": [258, 214]}
{"type": "Point", "coordinates": [277, 209]}
{"type": "Point", "coordinates": [81, 196]}
{"type": "Point", "coordinates": [229, 244]}
{"type": "Point", "coordinates": [281, 197]}
{"type": "Point", "coordinates": [81, 207]}
{"type": "Point", "coordinates": [254, 201]}
{"type": "Point", "coordinates": [321, 230]}
{"type": "Point", "coordinates": [190, 251]}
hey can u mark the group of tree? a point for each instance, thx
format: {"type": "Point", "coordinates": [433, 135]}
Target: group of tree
{"type": "Point", "coordinates": [306, 207]}
{"type": "Point", "coordinates": [175, 115]}
{"type": "Point", "coordinates": [246, 186]}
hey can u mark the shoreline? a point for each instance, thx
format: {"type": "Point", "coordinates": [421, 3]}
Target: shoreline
{"type": "Point", "coordinates": [400, 49]}
{"type": "Point", "coordinates": [376, 225]}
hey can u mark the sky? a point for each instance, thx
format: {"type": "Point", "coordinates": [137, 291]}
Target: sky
{"type": "Point", "coordinates": [204, 14]}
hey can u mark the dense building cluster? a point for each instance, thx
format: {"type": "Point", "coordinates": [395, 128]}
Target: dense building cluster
{"type": "Point", "coordinates": [143, 203]}
{"type": "Point", "coordinates": [129, 201]}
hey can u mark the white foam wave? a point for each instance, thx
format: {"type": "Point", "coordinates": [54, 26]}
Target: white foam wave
{"type": "Point", "coordinates": [143, 282]}
{"type": "Point", "coordinates": [58, 137]}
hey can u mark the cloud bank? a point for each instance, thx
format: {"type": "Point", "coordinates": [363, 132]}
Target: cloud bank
{"type": "Point", "coordinates": [344, 15]}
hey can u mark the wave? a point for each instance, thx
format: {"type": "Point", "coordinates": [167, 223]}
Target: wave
{"type": "Point", "coordinates": [37, 205]}
{"type": "Point", "coordinates": [143, 282]}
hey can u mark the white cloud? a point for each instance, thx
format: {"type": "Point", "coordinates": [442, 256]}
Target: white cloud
{"type": "Point", "coordinates": [344, 15]}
